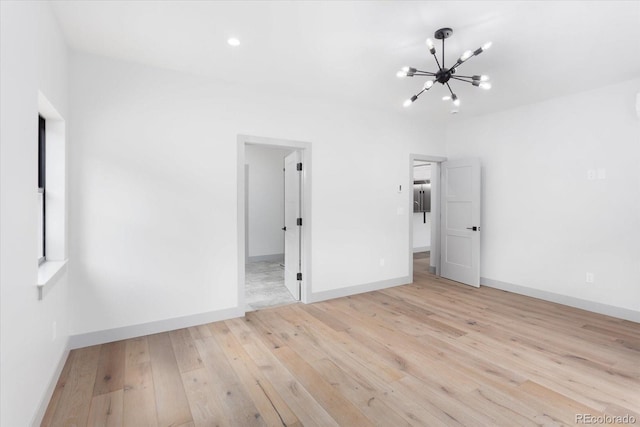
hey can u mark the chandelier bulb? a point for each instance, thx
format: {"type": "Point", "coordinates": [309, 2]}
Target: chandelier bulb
{"type": "Point", "coordinates": [466, 55]}
{"type": "Point", "coordinates": [446, 98]}
{"type": "Point", "coordinates": [409, 101]}
{"type": "Point", "coordinates": [431, 47]}
{"type": "Point", "coordinates": [428, 84]}
{"type": "Point", "coordinates": [484, 78]}
{"type": "Point", "coordinates": [482, 48]}
{"type": "Point", "coordinates": [485, 85]}
{"type": "Point", "coordinates": [406, 72]}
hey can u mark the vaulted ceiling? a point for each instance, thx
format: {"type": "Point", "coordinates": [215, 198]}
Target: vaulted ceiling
{"type": "Point", "coordinates": [350, 51]}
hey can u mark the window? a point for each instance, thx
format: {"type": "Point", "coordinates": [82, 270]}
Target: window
{"type": "Point", "coordinates": [42, 175]}
{"type": "Point", "coordinates": [52, 216]}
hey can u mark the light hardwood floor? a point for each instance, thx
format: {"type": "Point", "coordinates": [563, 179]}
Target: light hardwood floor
{"type": "Point", "coordinates": [431, 353]}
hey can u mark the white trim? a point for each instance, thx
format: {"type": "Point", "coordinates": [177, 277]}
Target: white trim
{"type": "Point", "coordinates": [305, 150]}
{"type": "Point", "coordinates": [271, 258]}
{"type": "Point", "coordinates": [595, 307]}
{"type": "Point", "coordinates": [48, 274]}
{"type": "Point", "coordinates": [126, 332]}
{"type": "Point", "coordinates": [435, 209]}
{"type": "Point", "coordinates": [358, 289]}
{"type": "Point", "coordinates": [48, 393]}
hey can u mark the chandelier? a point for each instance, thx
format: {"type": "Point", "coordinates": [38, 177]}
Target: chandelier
{"type": "Point", "coordinates": [444, 74]}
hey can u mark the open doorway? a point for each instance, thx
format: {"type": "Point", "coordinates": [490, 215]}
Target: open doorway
{"type": "Point", "coordinates": [273, 242]}
{"type": "Point", "coordinates": [265, 231]}
{"type": "Point", "coordinates": [424, 225]}
{"type": "Point", "coordinates": [421, 216]}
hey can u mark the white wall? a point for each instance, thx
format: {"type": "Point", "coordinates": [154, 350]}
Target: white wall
{"type": "Point", "coordinates": [33, 57]}
{"type": "Point", "coordinates": [545, 224]}
{"type": "Point", "coordinates": [153, 180]}
{"type": "Point", "coordinates": [266, 200]}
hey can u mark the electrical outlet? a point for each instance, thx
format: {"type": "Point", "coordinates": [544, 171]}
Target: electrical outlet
{"type": "Point", "coordinates": [54, 331]}
{"type": "Point", "coordinates": [591, 174]}
{"type": "Point", "coordinates": [381, 262]}
{"type": "Point", "coordinates": [590, 278]}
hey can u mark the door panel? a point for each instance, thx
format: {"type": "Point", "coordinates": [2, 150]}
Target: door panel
{"type": "Point", "coordinates": [292, 234]}
{"type": "Point", "coordinates": [460, 214]}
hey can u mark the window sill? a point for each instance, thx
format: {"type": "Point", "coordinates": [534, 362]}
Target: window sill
{"type": "Point", "coordinates": [48, 274]}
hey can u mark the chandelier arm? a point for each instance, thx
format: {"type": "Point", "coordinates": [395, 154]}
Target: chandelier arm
{"type": "Point", "coordinates": [459, 63]}
{"type": "Point", "coordinates": [443, 51]}
{"type": "Point", "coordinates": [462, 80]}
{"type": "Point", "coordinates": [424, 73]}
{"type": "Point", "coordinates": [449, 88]}
{"type": "Point", "coordinates": [435, 56]}
{"type": "Point", "coordinates": [437, 62]}
{"type": "Point", "coordinates": [419, 93]}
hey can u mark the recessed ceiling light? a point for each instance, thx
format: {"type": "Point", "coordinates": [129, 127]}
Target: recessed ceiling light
{"type": "Point", "coordinates": [233, 41]}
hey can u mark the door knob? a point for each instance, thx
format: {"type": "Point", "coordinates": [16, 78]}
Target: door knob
{"type": "Point", "coordinates": [284, 228]}
{"type": "Point", "coordinates": [473, 228]}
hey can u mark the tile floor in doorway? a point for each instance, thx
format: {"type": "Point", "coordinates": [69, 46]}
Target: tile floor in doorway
{"type": "Point", "coordinates": [264, 285]}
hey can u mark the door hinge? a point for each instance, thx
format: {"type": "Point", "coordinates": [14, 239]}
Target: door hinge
{"type": "Point", "coordinates": [299, 221]}
{"type": "Point", "coordinates": [299, 276]}
{"type": "Point", "coordinates": [299, 166]}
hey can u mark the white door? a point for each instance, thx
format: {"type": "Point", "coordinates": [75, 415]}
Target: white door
{"type": "Point", "coordinates": [460, 235]}
{"type": "Point", "coordinates": [292, 231]}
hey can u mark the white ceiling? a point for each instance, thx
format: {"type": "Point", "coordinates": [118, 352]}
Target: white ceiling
{"type": "Point", "coordinates": [350, 51]}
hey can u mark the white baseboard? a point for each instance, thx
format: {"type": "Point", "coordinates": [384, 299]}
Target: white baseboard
{"type": "Point", "coordinates": [271, 258]}
{"type": "Point", "coordinates": [357, 289]}
{"type": "Point", "coordinates": [126, 332]}
{"type": "Point", "coordinates": [48, 393]}
{"type": "Point", "coordinates": [596, 307]}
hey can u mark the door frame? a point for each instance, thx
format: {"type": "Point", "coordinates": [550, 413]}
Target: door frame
{"type": "Point", "coordinates": [435, 210]}
{"type": "Point", "coordinates": [305, 151]}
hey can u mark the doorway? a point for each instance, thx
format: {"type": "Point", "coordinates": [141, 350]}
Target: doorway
{"type": "Point", "coordinates": [274, 222]}
{"type": "Point", "coordinates": [421, 216]}
{"type": "Point", "coordinates": [454, 250]}
{"type": "Point", "coordinates": [424, 224]}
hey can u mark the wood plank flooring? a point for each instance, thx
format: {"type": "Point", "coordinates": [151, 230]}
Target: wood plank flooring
{"type": "Point", "coordinates": [430, 353]}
